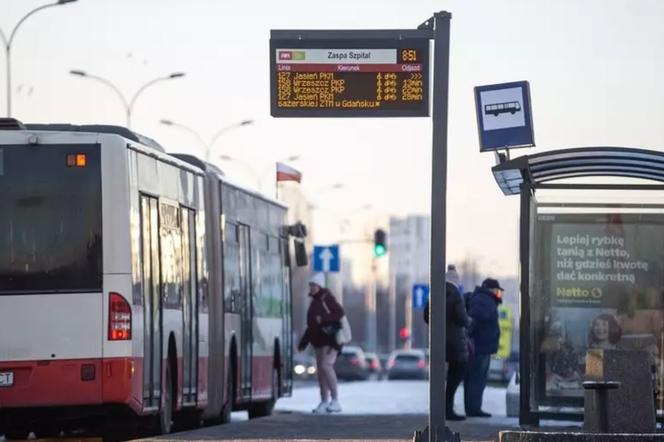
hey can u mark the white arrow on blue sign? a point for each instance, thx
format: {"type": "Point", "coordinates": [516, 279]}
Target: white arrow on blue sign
{"type": "Point", "coordinates": [420, 295]}
{"type": "Point", "coordinates": [326, 259]}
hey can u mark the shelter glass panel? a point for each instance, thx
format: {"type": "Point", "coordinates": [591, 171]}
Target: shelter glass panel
{"type": "Point", "coordinates": [597, 281]}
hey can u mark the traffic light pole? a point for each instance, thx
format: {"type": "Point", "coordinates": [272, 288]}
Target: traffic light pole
{"type": "Point", "coordinates": [370, 306]}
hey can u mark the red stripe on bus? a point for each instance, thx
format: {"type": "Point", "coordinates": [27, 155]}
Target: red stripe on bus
{"type": "Point", "coordinates": [59, 383]}
{"type": "Point", "coordinates": [261, 382]}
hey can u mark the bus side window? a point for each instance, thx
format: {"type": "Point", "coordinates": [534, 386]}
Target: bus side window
{"type": "Point", "coordinates": [171, 255]}
{"type": "Point", "coordinates": [231, 268]}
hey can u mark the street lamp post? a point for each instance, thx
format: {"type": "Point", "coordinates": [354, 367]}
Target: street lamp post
{"type": "Point", "coordinates": [127, 104]}
{"type": "Point", "coordinates": [7, 43]}
{"type": "Point", "coordinates": [221, 132]}
{"type": "Point", "coordinates": [207, 146]}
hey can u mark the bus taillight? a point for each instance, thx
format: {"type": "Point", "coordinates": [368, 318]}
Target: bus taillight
{"type": "Point", "coordinates": [119, 318]}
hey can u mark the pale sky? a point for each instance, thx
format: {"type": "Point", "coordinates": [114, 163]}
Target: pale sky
{"type": "Point", "coordinates": [595, 68]}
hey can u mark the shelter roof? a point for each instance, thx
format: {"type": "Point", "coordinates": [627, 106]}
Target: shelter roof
{"type": "Point", "coordinates": [578, 162]}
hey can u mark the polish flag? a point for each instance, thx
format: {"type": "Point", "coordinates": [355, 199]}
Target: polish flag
{"type": "Point", "coordinates": [287, 173]}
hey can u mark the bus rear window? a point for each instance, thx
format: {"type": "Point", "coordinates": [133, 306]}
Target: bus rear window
{"type": "Point", "coordinates": [50, 219]}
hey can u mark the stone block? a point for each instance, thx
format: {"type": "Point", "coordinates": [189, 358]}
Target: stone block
{"type": "Point", "coordinates": [512, 397]}
{"type": "Point", "coordinates": [631, 408]}
{"type": "Point", "coordinates": [554, 436]}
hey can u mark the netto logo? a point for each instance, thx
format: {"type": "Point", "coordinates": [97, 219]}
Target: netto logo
{"type": "Point", "coordinates": [579, 293]}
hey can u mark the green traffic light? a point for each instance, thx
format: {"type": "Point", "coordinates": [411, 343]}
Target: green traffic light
{"type": "Point", "coordinates": [379, 250]}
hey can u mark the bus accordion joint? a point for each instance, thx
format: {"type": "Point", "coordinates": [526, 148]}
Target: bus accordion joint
{"type": "Point", "coordinates": [119, 318]}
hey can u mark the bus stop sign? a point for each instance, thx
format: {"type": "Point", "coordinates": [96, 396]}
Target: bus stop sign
{"type": "Point", "coordinates": [504, 117]}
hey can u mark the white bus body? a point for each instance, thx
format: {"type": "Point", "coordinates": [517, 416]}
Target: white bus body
{"type": "Point", "coordinates": [134, 285]}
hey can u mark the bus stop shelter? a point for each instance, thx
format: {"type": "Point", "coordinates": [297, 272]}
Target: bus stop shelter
{"type": "Point", "coordinates": [591, 268]}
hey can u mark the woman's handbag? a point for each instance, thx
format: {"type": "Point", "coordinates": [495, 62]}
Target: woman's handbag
{"type": "Point", "coordinates": [344, 335]}
{"type": "Point", "coordinates": [340, 330]}
{"type": "Point", "coordinates": [330, 329]}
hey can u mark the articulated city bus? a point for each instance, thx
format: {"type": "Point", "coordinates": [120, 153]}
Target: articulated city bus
{"type": "Point", "coordinates": [137, 289]}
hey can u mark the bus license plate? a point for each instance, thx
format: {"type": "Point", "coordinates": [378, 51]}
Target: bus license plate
{"type": "Point", "coordinates": [6, 379]}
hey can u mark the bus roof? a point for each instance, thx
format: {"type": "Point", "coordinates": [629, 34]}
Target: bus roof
{"type": "Point", "coordinates": [211, 169]}
{"type": "Point", "coordinates": [142, 144]}
{"type": "Point", "coordinates": [98, 129]}
{"type": "Point", "coordinates": [188, 159]}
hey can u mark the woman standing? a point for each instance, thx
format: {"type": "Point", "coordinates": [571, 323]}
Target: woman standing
{"type": "Point", "coordinates": [456, 344]}
{"type": "Point", "coordinates": [323, 320]}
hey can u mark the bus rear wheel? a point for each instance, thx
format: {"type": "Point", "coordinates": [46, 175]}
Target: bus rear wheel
{"type": "Point", "coordinates": [262, 409]}
{"type": "Point", "coordinates": [166, 411]}
{"type": "Point", "coordinates": [227, 408]}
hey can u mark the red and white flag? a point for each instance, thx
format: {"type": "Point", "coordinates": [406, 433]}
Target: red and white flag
{"type": "Point", "coordinates": [287, 173]}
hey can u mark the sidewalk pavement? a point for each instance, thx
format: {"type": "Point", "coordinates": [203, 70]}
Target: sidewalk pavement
{"type": "Point", "coordinates": [296, 426]}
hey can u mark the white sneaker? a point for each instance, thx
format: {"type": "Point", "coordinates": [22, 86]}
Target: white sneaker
{"type": "Point", "coordinates": [334, 407]}
{"type": "Point", "coordinates": [321, 408]}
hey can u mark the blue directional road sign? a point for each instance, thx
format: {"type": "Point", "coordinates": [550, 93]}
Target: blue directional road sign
{"type": "Point", "coordinates": [420, 295]}
{"type": "Point", "coordinates": [504, 118]}
{"type": "Point", "coordinates": [326, 259]}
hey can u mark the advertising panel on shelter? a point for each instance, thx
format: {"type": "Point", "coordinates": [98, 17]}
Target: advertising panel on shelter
{"type": "Point", "coordinates": [601, 286]}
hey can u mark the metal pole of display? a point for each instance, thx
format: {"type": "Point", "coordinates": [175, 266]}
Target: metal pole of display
{"type": "Point", "coordinates": [370, 309]}
{"type": "Point", "coordinates": [438, 430]}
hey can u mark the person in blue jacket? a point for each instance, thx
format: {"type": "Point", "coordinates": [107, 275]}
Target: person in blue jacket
{"type": "Point", "coordinates": [484, 334]}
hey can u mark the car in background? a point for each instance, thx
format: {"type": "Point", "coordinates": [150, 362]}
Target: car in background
{"type": "Point", "coordinates": [407, 364]}
{"type": "Point", "coordinates": [304, 366]}
{"type": "Point", "coordinates": [374, 365]}
{"type": "Point", "coordinates": [501, 369]}
{"type": "Point", "coordinates": [351, 364]}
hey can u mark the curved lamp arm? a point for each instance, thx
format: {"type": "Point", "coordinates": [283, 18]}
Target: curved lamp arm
{"type": "Point", "coordinates": [144, 87]}
{"type": "Point", "coordinates": [187, 129]}
{"type": "Point", "coordinates": [8, 43]}
{"type": "Point", "coordinates": [104, 81]}
{"type": "Point", "coordinates": [221, 131]}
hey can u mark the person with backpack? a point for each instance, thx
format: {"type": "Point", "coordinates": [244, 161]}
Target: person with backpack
{"type": "Point", "coordinates": [484, 334]}
{"type": "Point", "coordinates": [456, 346]}
{"type": "Point", "coordinates": [324, 318]}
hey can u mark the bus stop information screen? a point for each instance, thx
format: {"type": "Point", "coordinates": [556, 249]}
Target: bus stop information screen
{"type": "Point", "coordinates": [346, 78]}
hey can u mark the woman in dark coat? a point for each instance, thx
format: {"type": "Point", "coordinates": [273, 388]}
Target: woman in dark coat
{"type": "Point", "coordinates": [456, 344]}
{"type": "Point", "coordinates": [324, 313]}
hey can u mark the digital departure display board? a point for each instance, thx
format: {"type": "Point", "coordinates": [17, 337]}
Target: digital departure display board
{"type": "Point", "coordinates": [349, 78]}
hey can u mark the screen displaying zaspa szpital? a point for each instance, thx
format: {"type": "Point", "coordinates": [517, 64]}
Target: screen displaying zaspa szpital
{"type": "Point", "coordinates": [349, 78]}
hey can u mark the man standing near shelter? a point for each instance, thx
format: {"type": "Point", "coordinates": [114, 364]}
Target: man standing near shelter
{"type": "Point", "coordinates": [484, 335]}
{"type": "Point", "coordinates": [456, 353]}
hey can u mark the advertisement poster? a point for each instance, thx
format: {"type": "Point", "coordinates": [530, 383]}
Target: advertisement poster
{"type": "Point", "coordinates": [605, 285]}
